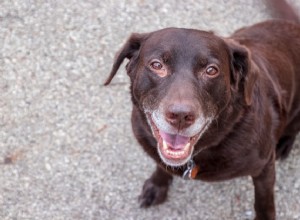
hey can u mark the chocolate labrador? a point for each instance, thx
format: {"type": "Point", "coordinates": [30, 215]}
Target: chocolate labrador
{"type": "Point", "coordinates": [212, 108]}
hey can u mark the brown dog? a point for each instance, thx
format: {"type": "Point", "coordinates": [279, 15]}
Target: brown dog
{"type": "Point", "coordinates": [212, 108]}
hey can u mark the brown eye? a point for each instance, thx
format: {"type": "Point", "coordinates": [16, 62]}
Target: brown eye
{"type": "Point", "coordinates": [212, 71]}
{"type": "Point", "coordinates": [158, 68]}
{"type": "Point", "coordinates": [156, 65]}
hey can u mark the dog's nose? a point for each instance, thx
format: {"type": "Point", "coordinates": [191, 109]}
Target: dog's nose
{"type": "Point", "coordinates": [180, 116]}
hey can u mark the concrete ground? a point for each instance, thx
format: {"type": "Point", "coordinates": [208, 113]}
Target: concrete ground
{"type": "Point", "coordinates": [66, 145]}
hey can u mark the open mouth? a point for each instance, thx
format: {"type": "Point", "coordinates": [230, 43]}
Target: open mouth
{"type": "Point", "coordinates": [174, 149]}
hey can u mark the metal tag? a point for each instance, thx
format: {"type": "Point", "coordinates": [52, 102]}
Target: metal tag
{"type": "Point", "coordinates": [187, 175]}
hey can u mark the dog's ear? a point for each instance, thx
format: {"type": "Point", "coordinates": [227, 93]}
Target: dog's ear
{"type": "Point", "coordinates": [131, 47]}
{"type": "Point", "coordinates": [243, 70]}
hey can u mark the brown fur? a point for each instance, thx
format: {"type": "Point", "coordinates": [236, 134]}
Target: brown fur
{"type": "Point", "coordinates": [254, 102]}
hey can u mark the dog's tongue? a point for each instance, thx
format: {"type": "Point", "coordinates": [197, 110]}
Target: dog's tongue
{"type": "Point", "coordinates": [174, 141]}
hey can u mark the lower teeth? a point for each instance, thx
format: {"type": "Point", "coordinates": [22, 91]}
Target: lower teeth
{"type": "Point", "coordinates": [178, 153]}
{"type": "Point", "coordinates": [175, 153]}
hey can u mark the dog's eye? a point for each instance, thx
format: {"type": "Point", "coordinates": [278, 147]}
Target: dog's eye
{"type": "Point", "coordinates": [158, 68]}
{"type": "Point", "coordinates": [156, 65]}
{"type": "Point", "coordinates": [212, 71]}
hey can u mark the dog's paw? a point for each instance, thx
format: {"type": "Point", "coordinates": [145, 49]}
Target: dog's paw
{"type": "Point", "coordinates": [152, 194]}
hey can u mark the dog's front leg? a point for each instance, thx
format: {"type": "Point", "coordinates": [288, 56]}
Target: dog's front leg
{"type": "Point", "coordinates": [155, 189]}
{"type": "Point", "coordinates": [264, 192]}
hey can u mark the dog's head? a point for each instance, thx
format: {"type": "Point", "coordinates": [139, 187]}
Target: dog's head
{"type": "Point", "coordinates": [182, 80]}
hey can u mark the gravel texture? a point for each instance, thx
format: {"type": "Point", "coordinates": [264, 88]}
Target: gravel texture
{"type": "Point", "coordinates": [66, 145]}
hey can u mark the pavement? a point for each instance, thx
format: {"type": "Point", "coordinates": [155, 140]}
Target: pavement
{"type": "Point", "coordinates": [66, 146]}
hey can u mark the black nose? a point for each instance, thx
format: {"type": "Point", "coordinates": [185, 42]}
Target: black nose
{"type": "Point", "coordinates": [180, 116]}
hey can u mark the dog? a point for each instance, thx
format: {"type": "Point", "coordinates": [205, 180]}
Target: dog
{"type": "Point", "coordinates": [212, 108]}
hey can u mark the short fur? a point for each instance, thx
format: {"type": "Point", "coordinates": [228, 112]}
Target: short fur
{"type": "Point", "coordinates": [250, 110]}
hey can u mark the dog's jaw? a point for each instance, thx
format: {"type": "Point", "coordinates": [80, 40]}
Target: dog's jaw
{"type": "Point", "coordinates": [174, 147]}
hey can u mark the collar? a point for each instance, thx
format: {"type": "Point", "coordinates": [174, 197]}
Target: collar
{"type": "Point", "coordinates": [191, 170]}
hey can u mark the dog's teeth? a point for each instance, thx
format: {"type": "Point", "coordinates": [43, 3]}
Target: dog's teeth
{"type": "Point", "coordinates": [165, 145]}
{"type": "Point", "coordinates": [187, 146]}
{"type": "Point", "coordinates": [175, 153]}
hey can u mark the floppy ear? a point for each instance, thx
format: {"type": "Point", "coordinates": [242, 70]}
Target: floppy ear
{"type": "Point", "coordinates": [131, 46]}
{"type": "Point", "coordinates": [243, 70]}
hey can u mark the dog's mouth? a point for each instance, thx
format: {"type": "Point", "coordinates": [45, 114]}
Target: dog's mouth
{"type": "Point", "coordinates": [174, 149]}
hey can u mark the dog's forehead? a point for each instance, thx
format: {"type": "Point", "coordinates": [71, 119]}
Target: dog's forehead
{"type": "Point", "coordinates": [183, 40]}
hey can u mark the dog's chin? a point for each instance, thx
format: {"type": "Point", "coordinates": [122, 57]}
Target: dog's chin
{"type": "Point", "coordinates": [174, 155]}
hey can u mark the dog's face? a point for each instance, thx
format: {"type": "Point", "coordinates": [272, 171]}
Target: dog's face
{"type": "Point", "coordinates": [182, 80]}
